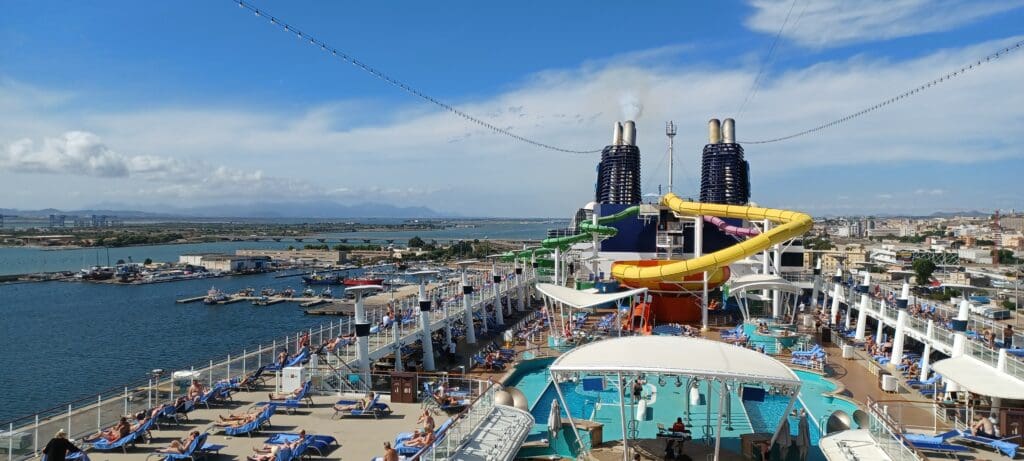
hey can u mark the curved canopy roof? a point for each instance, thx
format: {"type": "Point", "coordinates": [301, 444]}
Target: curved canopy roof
{"type": "Point", "coordinates": [980, 378]}
{"type": "Point", "coordinates": [762, 282]}
{"type": "Point", "coordinates": [675, 355]}
{"type": "Point", "coordinates": [582, 299]}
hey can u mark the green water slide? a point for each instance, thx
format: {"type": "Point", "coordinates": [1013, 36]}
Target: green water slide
{"type": "Point", "coordinates": [587, 229]}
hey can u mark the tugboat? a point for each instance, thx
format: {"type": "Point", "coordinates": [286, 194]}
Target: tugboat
{"type": "Point", "coordinates": [214, 296]}
{"type": "Point", "coordinates": [322, 279]}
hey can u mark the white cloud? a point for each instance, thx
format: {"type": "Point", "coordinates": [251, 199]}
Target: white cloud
{"type": "Point", "coordinates": [417, 156]}
{"type": "Point", "coordinates": [883, 196]}
{"type": "Point", "coordinates": [929, 192]}
{"type": "Point", "coordinates": [828, 23]}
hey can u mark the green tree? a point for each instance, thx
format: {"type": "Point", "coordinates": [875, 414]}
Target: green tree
{"type": "Point", "coordinates": [923, 270]}
{"type": "Point", "coordinates": [148, 261]}
{"type": "Point", "coordinates": [416, 242]}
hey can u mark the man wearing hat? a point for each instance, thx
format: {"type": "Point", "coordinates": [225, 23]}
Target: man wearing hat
{"type": "Point", "coordinates": [58, 447]}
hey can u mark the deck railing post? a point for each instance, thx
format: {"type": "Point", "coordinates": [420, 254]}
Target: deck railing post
{"type": "Point", "coordinates": [99, 413]}
{"type": "Point", "coordinates": [10, 441]}
{"type": "Point", "coordinates": [70, 434]}
{"type": "Point", "coordinates": [35, 447]}
{"type": "Point", "coordinates": [245, 355]}
{"type": "Point", "coordinates": [126, 409]}
{"type": "Point", "coordinates": [259, 356]}
{"type": "Point", "coordinates": [211, 373]}
{"type": "Point", "coordinates": [149, 394]}
{"type": "Point", "coordinates": [228, 376]}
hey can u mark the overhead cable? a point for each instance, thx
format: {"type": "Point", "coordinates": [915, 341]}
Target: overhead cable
{"type": "Point", "coordinates": [399, 84]}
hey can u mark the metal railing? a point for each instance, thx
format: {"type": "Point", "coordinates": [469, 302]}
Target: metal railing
{"type": "Point", "coordinates": [885, 431]}
{"type": "Point", "coordinates": [461, 429]}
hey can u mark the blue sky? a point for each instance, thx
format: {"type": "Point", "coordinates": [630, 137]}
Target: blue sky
{"type": "Point", "coordinates": [192, 103]}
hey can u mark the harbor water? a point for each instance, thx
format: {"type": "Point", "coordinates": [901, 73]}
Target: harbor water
{"type": "Point", "coordinates": [61, 341]}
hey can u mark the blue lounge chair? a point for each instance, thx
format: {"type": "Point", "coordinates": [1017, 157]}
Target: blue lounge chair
{"type": "Point", "coordinates": [250, 381]}
{"type": "Point", "coordinates": [298, 359]}
{"type": "Point", "coordinates": [219, 392]}
{"type": "Point", "coordinates": [374, 405]}
{"type": "Point", "coordinates": [1003, 445]}
{"type": "Point", "coordinates": [938, 447]}
{"type": "Point", "coordinates": [406, 450]}
{"type": "Point", "coordinates": [374, 408]}
{"type": "Point", "coordinates": [320, 443]}
{"type": "Point", "coordinates": [193, 450]}
{"type": "Point", "coordinates": [255, 425]}
{"type": "Point", "coordinates": [292, 403]}
{"type": "Point", "coordinates": [138, 434]}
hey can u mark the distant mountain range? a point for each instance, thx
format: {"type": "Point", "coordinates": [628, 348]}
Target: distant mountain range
{"type": "Point", "coordinates": [318, 209]}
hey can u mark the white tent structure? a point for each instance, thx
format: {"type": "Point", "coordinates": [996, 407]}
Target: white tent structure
{"type": "Point", "coordinates": [709, 361]}
{"type": "Point", "coordinates": [744, 287]}
{"type": "Point", "coordinates": [576, 299]}
{"type": "Point", "coordinates": [976, 377]}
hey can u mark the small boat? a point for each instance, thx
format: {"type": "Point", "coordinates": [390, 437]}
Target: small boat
{"type": "Point", "coordinates": [308, 293]}
{"type": "Point", "coordinates": [268, 292]}
{"type": "Point", "coordinates": [261, 301]}
{"type": "Point", "coordinates": [214, 296]}
{"type": "Point", "coordinates": [326, 293]}
{"type": "Point", "coordinates": [287, 293]}
{"type": "Point", "coordinates": [359, 281]}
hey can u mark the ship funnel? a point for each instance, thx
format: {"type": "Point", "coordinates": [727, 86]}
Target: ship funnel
{"type": "Point", "coordinates": [617, 134]}
{"type": "Point", "coordinates": [729, 131]}
{"type": "Point", "coordinates": [714, 131]}
{"type": "Point", "coordinates": [629, 133]}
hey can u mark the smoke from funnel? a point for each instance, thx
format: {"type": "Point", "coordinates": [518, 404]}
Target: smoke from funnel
{"type": "Point", "coordinates": [631, 106]}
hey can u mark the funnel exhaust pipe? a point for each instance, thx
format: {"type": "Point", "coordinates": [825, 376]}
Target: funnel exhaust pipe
{"type": "Point", "coordinates": [629, 133]}
{"type": "Point", "coordinates": [714, 131]}
{"type": "Point", "coordinates": [617, 134]}
{"type": "Point", "coordinates": [729, 131]}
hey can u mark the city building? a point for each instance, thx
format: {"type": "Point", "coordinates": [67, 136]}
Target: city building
{"type": "Point", "coordinates": [226, 263]}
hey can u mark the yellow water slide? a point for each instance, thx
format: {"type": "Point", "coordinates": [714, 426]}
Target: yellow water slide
{"type": "Point", "coordinates": [788, 224]}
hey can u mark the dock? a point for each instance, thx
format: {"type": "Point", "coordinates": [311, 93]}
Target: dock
{"type": "Point", "coordinates": [190, 300]}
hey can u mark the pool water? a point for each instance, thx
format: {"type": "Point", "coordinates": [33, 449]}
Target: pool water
{"type": "Point", "coordinates": [666, 403]}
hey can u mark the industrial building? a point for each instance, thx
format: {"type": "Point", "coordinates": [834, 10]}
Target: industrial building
{"type": "Point", "coordinates": [216, 262]}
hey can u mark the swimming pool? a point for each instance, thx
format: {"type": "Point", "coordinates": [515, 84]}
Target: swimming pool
{"type": "Point", "coordinates": [667, 401]}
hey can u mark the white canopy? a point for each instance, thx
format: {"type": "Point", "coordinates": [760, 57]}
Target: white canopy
{"type": "Point", "coordinates": [676, 355]}
{"type": "Point", "coordinates": [979, 378]}
{"type": "Point", "coordinates": [581, 299]}
{"type": "Point", "coordinates": [762, 282]}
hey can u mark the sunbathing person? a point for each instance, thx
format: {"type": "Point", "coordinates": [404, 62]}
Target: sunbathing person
{"type": "Point", "coordinates": [983, 427]}
{"type": "Point", "coordinates": [361, 404]}
{"type": "Point", "coordinates": [237, 417]}
{"type": "Point", "coordinates": [292, 395]}
{"type": "Point", "coordinates": [114, 433]}
{"type": "Point", "coordinates": [180, 446]}
{"type": "Point", "coordinates": [427, 420]}
{"type": "Point", "coordinates": [234, 421]}
{"type": "Point", "coordinates": [270, 455]}
{"type": "Point", "coordinates": [422, 441]}
{"type": "Point", "coordinates": [269, 447]}
{"type": "Point", "coordinates": [282, 359]}
{"type": "Point", "coordinates": [196, 390]}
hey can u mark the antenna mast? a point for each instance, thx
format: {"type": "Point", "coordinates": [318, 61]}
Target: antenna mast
{"type": "Point", "coordinates": [670, 131]}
